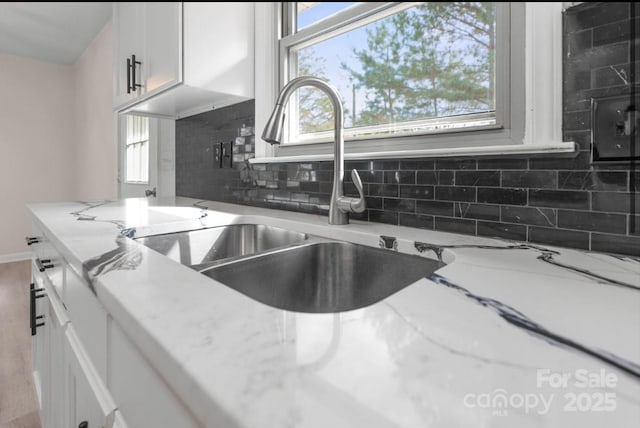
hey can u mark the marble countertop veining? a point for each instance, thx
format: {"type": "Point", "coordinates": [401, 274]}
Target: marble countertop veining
{"type": "Point", "coordinates": [485, 341]}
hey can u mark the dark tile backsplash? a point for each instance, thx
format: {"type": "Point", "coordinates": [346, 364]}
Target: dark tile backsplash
{"type": "Point", "coordinates": [562, 201]}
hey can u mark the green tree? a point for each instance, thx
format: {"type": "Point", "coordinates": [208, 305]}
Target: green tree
{"type": "Point", "coordinates": [314, 107]}
{"type": "Point", "coordinates": [432, 60]}
{"type": "Point", "coordinates": [382, 73]}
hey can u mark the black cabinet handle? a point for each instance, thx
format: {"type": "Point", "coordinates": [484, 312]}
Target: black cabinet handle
{"type": "Point", "coordinates": [134, 85]}
{"type": "Point", "coordinates": [44, 264]}
{"type": "Point", "coordinates": [33, 240]}
{"type": "Point", "coordinates": [128, 76]}
{"type": "Point", "coordinates": [83, 424]}
{"type": "Point", "coordinates": [33, 318]}
{"type": "Point", "coordinates": [131, 74]}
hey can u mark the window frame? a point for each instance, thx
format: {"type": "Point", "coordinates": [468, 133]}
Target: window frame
{"type": "Point", "coordinates": [531, 123]}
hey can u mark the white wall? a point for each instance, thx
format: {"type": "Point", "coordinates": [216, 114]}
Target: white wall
{"type": "Point", "coordinates": [56, 136]}
{"type": "Point", "coordinates": [37, 150]}
{"type": "Point", "coordinates": [96, 154]}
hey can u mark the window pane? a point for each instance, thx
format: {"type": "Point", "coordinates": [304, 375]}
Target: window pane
{"type": "Point", "coordinates": [311, 12]}
{"type": "Point", "coordinates": [137, 150]}
{"type": "Point", "coordinates": [426, 68]}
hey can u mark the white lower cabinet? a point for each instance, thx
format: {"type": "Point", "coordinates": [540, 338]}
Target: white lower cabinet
{"type": "Point", "coordinates": [70, 390]}
{"type": "Point", "coordinates": [89, 404]}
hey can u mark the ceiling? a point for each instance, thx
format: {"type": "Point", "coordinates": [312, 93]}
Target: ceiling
{"type": "Point", "coordinates": [56, 32]}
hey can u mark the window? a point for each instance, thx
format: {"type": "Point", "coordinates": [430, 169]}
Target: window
{"type": "Point", "coordinates": [504, 97]}
{"type": "Point", "coordinates": [137, 149]}
{"type": "Point", "coordinates": [401, 69]}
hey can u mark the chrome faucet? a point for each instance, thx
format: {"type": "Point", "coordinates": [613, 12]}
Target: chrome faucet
{"type": "Point", "coordinates": [340, 205]}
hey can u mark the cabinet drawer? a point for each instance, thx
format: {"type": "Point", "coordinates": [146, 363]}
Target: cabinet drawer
{"type": "Point", "coordinates": [89, 320]}
{"type": "Point", "coordinates": [88, 398]}
{"type": "Point", "coordinates": [143, 397]}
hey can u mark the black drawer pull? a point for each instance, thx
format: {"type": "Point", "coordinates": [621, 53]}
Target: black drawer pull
{"type": "Point", "coordinates": [44, 264]}
{"type": "Point", "coordinates": [33, 240]}
{"type": "Point", "coordinates": [34, 324]}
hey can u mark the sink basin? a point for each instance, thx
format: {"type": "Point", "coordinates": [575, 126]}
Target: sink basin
{"type": "Point", "coordinates": [323, 277]}
{"type": "Point", "coordinates": [203, 246]}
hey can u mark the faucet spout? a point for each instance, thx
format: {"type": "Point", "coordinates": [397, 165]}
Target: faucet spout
{"type": "Point", "coordinates": [339, 205]}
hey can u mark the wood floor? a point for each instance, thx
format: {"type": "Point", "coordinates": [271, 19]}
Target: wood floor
{"type": "Point", "coordinates": [18, 402]}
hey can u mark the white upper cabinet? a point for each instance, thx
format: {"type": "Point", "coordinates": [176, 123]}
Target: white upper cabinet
{"type": "Point", "coordinates": [189, 57]}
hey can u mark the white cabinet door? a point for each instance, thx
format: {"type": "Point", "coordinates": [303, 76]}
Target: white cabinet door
{"type": "Point", "coordinates": [162, 66]}
{"type": "Point", "coordinates": [89, 404]}
{"type": "Point", "coordinates": [128, 40]}
{"type": "Point", "coordinates": [40, 349]}
{"type": "Point", "coordinates": [48, 353]}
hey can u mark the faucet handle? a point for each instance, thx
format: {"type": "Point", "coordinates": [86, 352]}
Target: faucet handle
{"type": "Point", "coordinates": [357, 205]}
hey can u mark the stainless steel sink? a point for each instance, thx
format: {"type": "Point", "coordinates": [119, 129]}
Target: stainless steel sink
{"type": "Point", "coordinates": [204, 246]}
{"type": "Point", "coordinates": [323, 276]}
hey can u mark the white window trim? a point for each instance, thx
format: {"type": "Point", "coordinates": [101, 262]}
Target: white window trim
{"type": "Point", "coordinates": [542, 105]}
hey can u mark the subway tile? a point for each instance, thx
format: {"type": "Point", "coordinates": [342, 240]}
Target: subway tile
{"type": "Point", "coordinates": [324, 176]}
{"type": "Point", "coordinates": [477, 178]}
{"type": "Point", "coordinates": [416, 192]}
{"type": "Point", "coordinates": [577, 120]}
{"type": "Point", "coordinates": [559, 199]}
{"type": "Point", "coordinates": [615, 32]}
{"type": "Point", "coordinates": [327, 187]}
{"type": "Point", "coordinates": [404, 205]}
{"type": "Point", "coordinates": [387, 190]}
{"type": "Point", "coordinates": [435, 208]}
{"type": "Point", "coordinates": [596, 180]}
{"type": "Point", "coordinates": [367, 176]}
{"type": "Point", "coordinates": [503, 163]}
{"type": "Point", "coordinates": [354, 164]}
{"type": "Point", "coordinates": [373, 203]}
{"type": "Point", "coordinates": [559, 237]}
{"type": "Point", "coordinates": [612, 75]}
{"type": "Point", "coordinates": [490, 195]}
{"type": "Point", "coordinates": [309, 186]}
{"type": "Point", "coordinates": [299, 197]}
{"type": "Point", "coordinates": [450, 193]}
{"type": "Point", "coordinates": [455, 225]}
{"type": "Point", "coordinates": [400, 177]}
{"type": "Point", "coordinates": [477, 211]}
{"type": "Point", "coordinates": [456, 163]}
{"type": "Point", "coordinates": [593, 221]}
{"type": "Point", "coordinates": [576, 81]}
{"type": "Point", "coordinates": [588, 15]}
{"type": "Point", "coordinates": [416, 220]}
{"type": "Point", "coordinates": [492, 229]}
{"type": "Point", "coordinates": [417, 164]}
{"type": "Point", "coordinates": [387, 217]}
{"type": "Point", "coordinates": [628, 203]}
{"type": "Point", "coordinates": [364, 216]}
{"type": "Point", "coordinates": [426, 177]}
{"type": "Point", "coordinates": [528, 215]}
{"type": "Point", "coordinates": [534, 179]}
{"type": "Point", "coordinates": [634, 225]}
{"type": "Point", "coordinates": [579, 41]}
{"type": "Point", "coordinates": [446, 178]}
{"type": "Point", "coordinates": [604, 55]}
{"type": "Point", "coordinates": [618, 244]}
{"type": "Point", "coordinates": [384, 165]}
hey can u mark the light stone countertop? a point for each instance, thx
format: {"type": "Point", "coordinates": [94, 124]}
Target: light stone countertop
{"type": "Point", "coordinates": [478, 343]}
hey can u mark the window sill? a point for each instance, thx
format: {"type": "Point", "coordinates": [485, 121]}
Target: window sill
{"type": "Point", "coordinates": [508, 150]}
